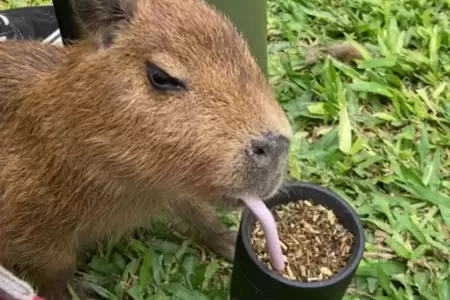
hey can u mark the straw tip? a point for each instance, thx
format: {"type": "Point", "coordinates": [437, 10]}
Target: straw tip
{"type": "Point", "coordinates": [279, 268]}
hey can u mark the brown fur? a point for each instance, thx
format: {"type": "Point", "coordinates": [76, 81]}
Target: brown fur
{"type": "Point", "coordinates": [89, 150]}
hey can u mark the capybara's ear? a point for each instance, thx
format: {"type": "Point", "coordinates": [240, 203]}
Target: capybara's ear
{"type": "Point", "coordinates": [102, 19]}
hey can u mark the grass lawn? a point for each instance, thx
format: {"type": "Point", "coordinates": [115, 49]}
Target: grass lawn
{"type": "Point", "coordinates": [378, 133]}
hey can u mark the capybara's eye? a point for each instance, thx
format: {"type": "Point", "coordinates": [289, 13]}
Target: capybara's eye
{"type": "Point", "coordinates": [160, 80]}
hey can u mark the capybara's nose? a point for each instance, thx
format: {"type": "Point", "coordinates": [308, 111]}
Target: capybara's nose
{"type": "Point", "coordinates": [268, 148]}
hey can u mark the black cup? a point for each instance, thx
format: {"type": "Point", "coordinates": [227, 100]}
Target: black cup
{"type": "Point", "coordinates": [251, 280]}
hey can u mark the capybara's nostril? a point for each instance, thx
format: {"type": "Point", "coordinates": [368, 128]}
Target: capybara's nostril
{"type": "Point", "coordinates": [259, 148]}
{"type": "Point", "coordinates": [268, 147]}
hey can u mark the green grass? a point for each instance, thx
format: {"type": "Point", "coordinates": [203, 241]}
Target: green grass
{"type": "Point", "coordinates": [7, 4]}
{"type": "Point", "coordinates": [378, 133]}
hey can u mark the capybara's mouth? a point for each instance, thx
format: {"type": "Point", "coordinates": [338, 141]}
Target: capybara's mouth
{"type": "Point", "coordinates": [273, 187]}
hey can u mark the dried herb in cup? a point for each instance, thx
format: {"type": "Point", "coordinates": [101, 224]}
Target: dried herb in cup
{"type": "Point", "coordinates": [315, 244]}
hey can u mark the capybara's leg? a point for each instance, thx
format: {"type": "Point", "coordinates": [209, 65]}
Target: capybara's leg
{"type": "Point", "coordinates": [46, 266]}
{"type": "Point", "coordinates": [202, 224]}
{"type": "Point", "coordinates": [51, 273]}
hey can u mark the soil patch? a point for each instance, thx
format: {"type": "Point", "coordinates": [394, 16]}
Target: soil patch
{"type": "Point", "coordinates": [315, 244]}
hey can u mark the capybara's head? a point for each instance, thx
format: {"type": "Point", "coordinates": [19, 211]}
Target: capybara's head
{"type": "Point", "coordinates": [184, 104]}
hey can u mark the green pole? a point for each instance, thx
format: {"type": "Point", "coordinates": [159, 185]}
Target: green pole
{"type": "Point", "coordinates": [249, 17]}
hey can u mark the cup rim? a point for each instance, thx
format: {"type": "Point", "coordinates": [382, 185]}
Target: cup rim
{"type": "Point", "coordinates": [345, 272]}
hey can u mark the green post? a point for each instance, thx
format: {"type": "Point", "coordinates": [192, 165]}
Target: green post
{"type": "Point", "coordinates": [249, 17]}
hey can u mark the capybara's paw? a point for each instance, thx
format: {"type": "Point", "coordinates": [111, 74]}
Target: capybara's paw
{"type": "Point", "coordinates": [54, 289]}
{"type": "Point", "coordinates": [59, 293]}
{"type": "Point", "coordinates": [84, 292]}
{"type": "Point", "coordinates": [62, 293]}
{"type": "Point", "coordinates": [223, 244]}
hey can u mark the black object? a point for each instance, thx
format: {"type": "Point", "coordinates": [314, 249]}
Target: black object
{"type": "Point", "coordinates": [251, 280]}
{"type": "Point", "coordinates": [70, 31]}
{"type": "Point", "coordinates": [29, 23]}
{"type": "Point", "coordinates": [51, 24]}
